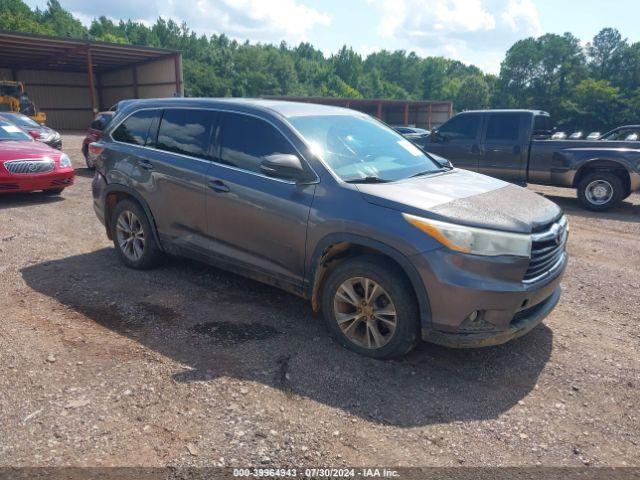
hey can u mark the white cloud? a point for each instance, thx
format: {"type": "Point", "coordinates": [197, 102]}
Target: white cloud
{"type": "Point", "coordinates": [257, 20]}
{"type": "Point", "coordinates": [522, 15]}
{"type": "Point", "coordinates": [467, 30]}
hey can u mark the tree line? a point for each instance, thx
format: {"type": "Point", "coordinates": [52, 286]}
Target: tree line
{"type": "Point", "coordinates": [591, 88]}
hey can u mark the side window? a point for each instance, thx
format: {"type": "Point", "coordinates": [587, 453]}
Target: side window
{"type": "Point", "coordinates": [246, 140]}
{"type": "Point", "coordinates": [542, 123]}
{"type": "Point", "coordinates": [463, 127]}
{"type": "Point", "coordinates": [135, 128]}
{"type": "Point", "coordinates": [186, 131]}
{"type": "Point", "coordinates": [503, 127]}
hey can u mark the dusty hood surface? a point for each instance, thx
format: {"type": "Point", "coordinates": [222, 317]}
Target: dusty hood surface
{"type": "Point", "coordinates": [466, 198]}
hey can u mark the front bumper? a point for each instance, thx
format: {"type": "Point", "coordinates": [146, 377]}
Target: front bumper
{"type": "Point", "coordinates": [60, 178]}
{"type": "Point", "coordinates": [522, 324]}
{"type": "Point", "coordinates": [482, 301]}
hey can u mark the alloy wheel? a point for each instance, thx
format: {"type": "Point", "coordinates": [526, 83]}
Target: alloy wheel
{"type": "Point", "coordinates": [365, 312]}
{"type": "Point", "coordinates": [599, 192]}
{"type": "Point", "coordinates": [130, 235]}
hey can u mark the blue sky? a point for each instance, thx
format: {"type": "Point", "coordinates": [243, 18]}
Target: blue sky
{"type": "Point", "coordinates": [473, 31]}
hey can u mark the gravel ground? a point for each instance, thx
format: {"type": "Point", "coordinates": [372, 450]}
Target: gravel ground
{"type": "Point", "coordinates": [190, 365]}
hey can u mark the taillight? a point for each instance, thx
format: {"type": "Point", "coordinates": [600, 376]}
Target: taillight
{"type": "Point", "coordinates": [94, 152]}
{"type": "Point", "coordinates": [95, 149]}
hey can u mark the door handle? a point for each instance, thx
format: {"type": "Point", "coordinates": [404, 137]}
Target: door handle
{"type": "Point", "coordinates": [475, 148]}
{"type": "Point", "coordinates": [146, 164]}
{"type": "Point", "coordinates": [517, 150]}
{"type": "Point", "coordinates": [218, 186]}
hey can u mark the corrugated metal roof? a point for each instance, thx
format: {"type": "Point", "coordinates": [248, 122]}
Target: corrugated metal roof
{"type": "Point", "coordinates": [29, 51]}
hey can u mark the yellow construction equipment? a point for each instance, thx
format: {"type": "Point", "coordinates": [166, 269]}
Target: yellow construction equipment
{"type": "Point", "coordinates": [13, 98]}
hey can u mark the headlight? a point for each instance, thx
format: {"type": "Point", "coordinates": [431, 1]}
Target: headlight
{"type": "Point", "coordinates": [65, 161]}
{"type": "Point", "coordinates": [477, 241]}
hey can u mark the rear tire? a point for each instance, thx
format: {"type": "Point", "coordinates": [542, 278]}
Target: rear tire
{"type": "Point", "coordinates": [133, 237]}
{"type": "Point", "coordinates": [384, 325]}
{"type": "Point", "coordinates": [599, 191]}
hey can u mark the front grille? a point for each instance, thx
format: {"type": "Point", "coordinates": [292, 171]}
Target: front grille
{"type": "Point", "coordinates": [547, 250]}
{"type": "Point", "coordinates": [29, 167]}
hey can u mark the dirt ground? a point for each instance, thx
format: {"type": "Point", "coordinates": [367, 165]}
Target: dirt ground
{"type": "Point", "coordinates": [190, 365]}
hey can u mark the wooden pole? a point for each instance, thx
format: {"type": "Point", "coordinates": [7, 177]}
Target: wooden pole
{"type": "Point", "coordinates": [406, 113]}
{"type": "Point", "coordinates": [134, 71]}
{"type": "Point", "coordinates": [92, 85]}
{"type": "Point", "coordinates": [176, 66]}
{"type": "Point", "coordinates": [379, 110]}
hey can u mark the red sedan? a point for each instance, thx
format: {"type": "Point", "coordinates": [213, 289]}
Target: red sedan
{"type": "Point", "coordinates": [27, 165]}
{"type": "Point", "coordinates": [94, 133]}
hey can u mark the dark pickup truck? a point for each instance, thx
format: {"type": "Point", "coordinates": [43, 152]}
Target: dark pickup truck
{"type": "Point", "coordinates": [515, 145]}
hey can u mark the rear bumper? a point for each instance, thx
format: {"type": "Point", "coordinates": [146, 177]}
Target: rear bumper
{"type": "Point", "coordinates": [29, 183]}
{"type": "Point", "coordinates": [98, 189]}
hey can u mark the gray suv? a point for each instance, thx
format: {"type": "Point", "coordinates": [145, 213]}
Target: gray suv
{"type": "Point", "coordinates": [331, 205]}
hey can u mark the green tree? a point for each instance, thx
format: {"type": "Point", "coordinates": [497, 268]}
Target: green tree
{"type": "Point", "coordinates": [473, 93]}
{"type": "Point", "coordinates": [603, 51]}
{"type": "Point", "coordinates": [594, 105]}
{"type": "Point", "coordinates": [61, 21]}
{"type": "Point", "coordinates": [15, 15]}
{"type": "Point", "coordinates": [588, 88]}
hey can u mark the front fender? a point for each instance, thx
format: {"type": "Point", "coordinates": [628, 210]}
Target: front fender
{"type": "Point", "coordinates": [410, 271]}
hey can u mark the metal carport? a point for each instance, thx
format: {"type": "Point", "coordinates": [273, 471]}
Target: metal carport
{"type": "Point", "coordinates": [71, 79]}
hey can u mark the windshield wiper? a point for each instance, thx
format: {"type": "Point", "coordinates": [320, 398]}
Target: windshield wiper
{"type": "Point", "coordinates": [370, 179]}
{"type": "Point", "coordinates": [427, 172]}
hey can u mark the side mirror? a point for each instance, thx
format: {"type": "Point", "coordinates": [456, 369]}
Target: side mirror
{"type": "Point", "coordinates": [281, 165]}
{"type": "Point", "coordinates": [35, 134]}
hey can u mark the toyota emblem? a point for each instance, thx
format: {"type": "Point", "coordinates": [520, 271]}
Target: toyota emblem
{"type": "Point", "coordinates": [33, 166]}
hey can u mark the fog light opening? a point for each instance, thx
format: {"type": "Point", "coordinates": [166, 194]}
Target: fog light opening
{"type": "Point", "coordinates": [473, 316]}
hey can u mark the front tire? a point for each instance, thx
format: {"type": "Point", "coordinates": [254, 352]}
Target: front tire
{"type": "Point", "coordinates": [133, 236]}
{"type": "Point", "coordinates": [369, 307]}
{"type": "Point", "coordinates": [599, 191]}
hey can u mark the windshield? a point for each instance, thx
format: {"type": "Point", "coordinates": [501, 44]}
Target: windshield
{"type": "Point", "coordinates": [20, 119]}
{"type": "Point", "coordinates": [10, 90]}
{"type": "Point", "coordinates": [11, 132]}
{"type": "Point", "coordinates": [619, 134]}
{"type": "Point", "coordinates": [359, 148]}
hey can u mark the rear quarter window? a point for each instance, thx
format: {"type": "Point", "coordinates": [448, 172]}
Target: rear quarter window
{"type": "Point", "coordinates": [503, 127]}
{"type": "Point", "coordinates": [187, 132]}
{"type": "Point", "coordinates": [135, 129]}
{"type": "Point", "coordinates": [100, 122]}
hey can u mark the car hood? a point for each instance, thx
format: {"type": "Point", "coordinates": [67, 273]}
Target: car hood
{"type": "Point", "coordinates": [465, 198]}
{"type": "Point", "coordinates": [12, 150]}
